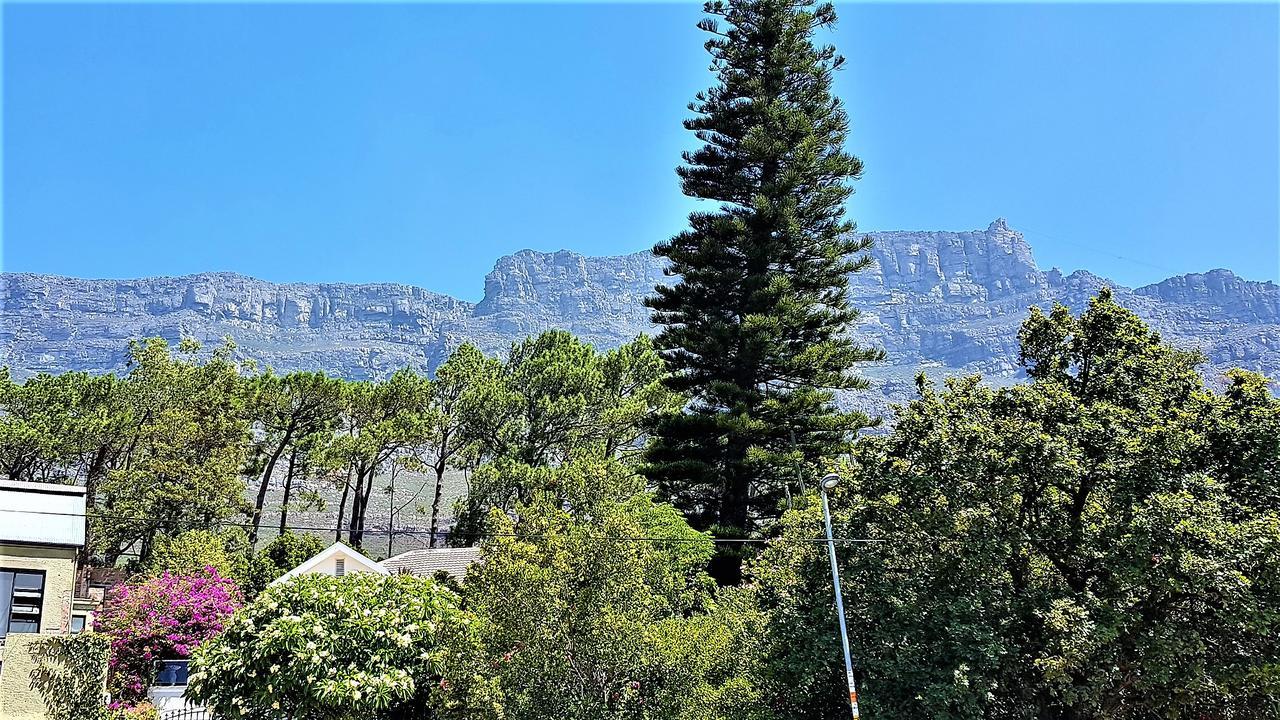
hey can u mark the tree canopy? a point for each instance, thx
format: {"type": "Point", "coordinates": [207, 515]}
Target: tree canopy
{"type": "Point", "coordinates": [605, 610]}
{"type": "Point", "coordinates": [1098, 543]}
{"type": "Point", "coordinates": [755, 329]}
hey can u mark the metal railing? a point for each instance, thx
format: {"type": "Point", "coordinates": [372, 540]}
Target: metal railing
{"type": "Point", "coordinates": [193, 713]}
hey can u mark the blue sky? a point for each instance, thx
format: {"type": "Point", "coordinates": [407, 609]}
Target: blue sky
{"type": "Point", "coordinates": [417, 143]}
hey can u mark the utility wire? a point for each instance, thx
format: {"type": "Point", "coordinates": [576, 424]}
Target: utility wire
{"type": "Point", "coordinates": [411, 532]}
{"type": "Point", "coordinates": [1100, 251]}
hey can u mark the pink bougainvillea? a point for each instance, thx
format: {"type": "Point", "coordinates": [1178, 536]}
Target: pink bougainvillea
{"type": "Point", "coordinates": [163, 618]}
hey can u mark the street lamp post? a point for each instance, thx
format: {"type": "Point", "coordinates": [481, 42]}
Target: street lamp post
{"type": "Point", "coordinates": [829, 482]}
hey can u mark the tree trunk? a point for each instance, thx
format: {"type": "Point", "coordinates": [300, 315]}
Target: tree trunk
{"type": "Point", "coordinates": [359, 506]}
{"type": "Point", "coordinates": [734, 517]}
{"type": "Point", "coordinates": [288, 488]}
{"type": "Point", "coordinates": [391, 512]}
{"type": "Point", "coordinates": [266, 480]}
{"type": "Point", "coordinates": [342, 504]}
{"type": "Point", "coordinates": [435, 503]}
{"type": "Point", "coordinates": [93, 476]}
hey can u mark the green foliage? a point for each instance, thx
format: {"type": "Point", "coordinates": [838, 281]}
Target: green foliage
{"type": "Point", "coordinates": [451, 401]}
{"type": "Point", "coordinates": [584, 620]}
{"type": "Point", "coordinates": [284, 553]}
{"type": "Point", "coordinates": [158, 450]}
{"type": "Point", "coordinates": [554, 401]}
{"type": "Point", "coordinates": [756, 329]}
{"type": "Point", "coordinates": [362, 645]}
{"type": "Point", "coordinates": [187, 440]}
{"type": "Point", "coordinates": [293, 412]}
{"type": "Point", "coordinates": [1098, 543]}
{"type": "Point", "coordinates": [226, 550]}
{"type": "Point", "coordinates": [71, 675]}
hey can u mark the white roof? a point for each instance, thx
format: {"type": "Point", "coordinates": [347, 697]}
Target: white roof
{"type": "Point", "coordinates": [355, 562]}
{"type": "Point", "coordinates": [33, 513]}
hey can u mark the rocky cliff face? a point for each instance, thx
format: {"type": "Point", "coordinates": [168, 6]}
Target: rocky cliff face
{"type": "Point", "coordinates": [943, 302]}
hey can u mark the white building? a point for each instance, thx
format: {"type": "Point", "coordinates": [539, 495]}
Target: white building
{"type": "Point", "coordinates": [336, 560]}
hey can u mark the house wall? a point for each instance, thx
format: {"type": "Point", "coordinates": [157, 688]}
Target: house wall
{"type": "Point", "coordinates": [17, 700]}
{"type": "Point", "coordinates": [330, 565]}
{"type": "Point", "coordinates": [59, 566]}
{"type": "Point", "coordinates": [325, 563]}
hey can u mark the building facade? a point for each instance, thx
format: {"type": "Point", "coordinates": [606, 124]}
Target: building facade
{"type": "Point", "coordinates": [42, 529]}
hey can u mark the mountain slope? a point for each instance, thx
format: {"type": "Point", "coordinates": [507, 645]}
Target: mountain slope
{"type": "Point", "coordinates": [943, 302]}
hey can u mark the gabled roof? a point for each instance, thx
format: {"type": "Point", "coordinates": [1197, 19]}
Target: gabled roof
{"type": "Point", "coordinates": [356, 562]}
{"type": "Point", "coordinates": [429, 561]}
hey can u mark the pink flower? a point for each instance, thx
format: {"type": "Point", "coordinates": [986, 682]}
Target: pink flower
{"type": "Point", "coordinates": [165, 617]}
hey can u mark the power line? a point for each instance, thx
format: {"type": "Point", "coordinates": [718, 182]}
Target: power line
{"type": "Point", "coordinates": [477, 536]}
{"type": "Point", "coordinates": [1100, 251]}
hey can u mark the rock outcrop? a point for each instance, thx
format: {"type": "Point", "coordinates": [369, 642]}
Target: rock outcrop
{"type": "Point", "coordinates": [943, 302]}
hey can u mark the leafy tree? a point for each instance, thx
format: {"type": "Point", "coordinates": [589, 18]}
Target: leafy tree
{"type": "Point", "coordinates": [227, 551]}
{"type": "Point", "coordinates": [584, 619]}
{"type": "Point", "coordinates": [363, 645]}
{"type": "Point", "coordinates": [555, 400]}
{"type": "Point", "coordinates": [1097, 543]}
{"type": "Point", "coordinates": [37, 426]}
{"type": "Point", "coordinates": [755, 331]}
{"type": "Point", "coordinates": [1246, 440]}
{"type": "Point", "coordinates": [450, 401]}
{"type": "Point", "coordinates": [163, 618]}
{"type": "Point", "coordinates": [187, 444]}
{"type": "Point", "coordinates": [283, 553]}
{"type": "Point", "coordinates": [382, 420]}
{"type": "Point", "coordinates": [288, 410]}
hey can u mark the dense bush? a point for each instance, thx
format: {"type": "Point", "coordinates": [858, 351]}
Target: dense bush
{"type": "Point", "coordinates": [284, 553]}
{"type": "Point", "coordinates": [363, 645]}
{"type": "Point", "coordinates": [605, 610]}
{"type": "Point", "coordinates": [226, 550]}
{"type": "Point", "coordinates": [165, 617]}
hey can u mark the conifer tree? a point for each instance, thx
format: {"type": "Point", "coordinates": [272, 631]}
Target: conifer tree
{"type": "Point", "coordinates": [755, 332]}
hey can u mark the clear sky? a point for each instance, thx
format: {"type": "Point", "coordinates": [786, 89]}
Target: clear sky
{"type": "Point", "coordinates": [417, 143]}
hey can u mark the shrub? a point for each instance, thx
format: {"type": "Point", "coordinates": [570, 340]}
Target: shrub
{"type": "Point", "coordinates": [363, 645]}
{"type": "Point", "coordinates": [165, 617]}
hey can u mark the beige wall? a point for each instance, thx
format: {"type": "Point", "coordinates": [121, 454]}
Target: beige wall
{"type": "Point", "coordinates": [17, 700]}
{"type": "Point", "coordinates": [59, 566]}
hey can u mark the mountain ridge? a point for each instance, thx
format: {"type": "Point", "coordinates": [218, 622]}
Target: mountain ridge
{"type": "Point", "coordinates": [948, 302]}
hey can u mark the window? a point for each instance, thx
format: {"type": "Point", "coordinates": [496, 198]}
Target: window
{"type": "Point", "coordinates": [21, 597]}
{"type": "Point", "coordinates": [77, 624]}
{"type": "Point", "coordinates": [339, 567]}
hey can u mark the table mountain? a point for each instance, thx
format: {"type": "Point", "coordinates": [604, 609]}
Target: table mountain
{"type": "Point", "coordinates": [943, 302]}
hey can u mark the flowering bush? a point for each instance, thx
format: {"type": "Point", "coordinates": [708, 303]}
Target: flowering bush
{"type": "Point", "coordinates": [124, 711]}
{"type": "Point", "coordinates": [360, 646]}
{"type": "Point", "coordinates": [164, 618]}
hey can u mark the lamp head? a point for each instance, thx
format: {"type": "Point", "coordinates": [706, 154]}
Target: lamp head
{"type": "Point", "coordinates": [829, 481]}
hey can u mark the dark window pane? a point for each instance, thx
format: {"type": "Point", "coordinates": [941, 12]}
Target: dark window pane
{"type": "Point", "coordinates": [28, 581]}
{"type": "Point", "coordinates": [23, 626]}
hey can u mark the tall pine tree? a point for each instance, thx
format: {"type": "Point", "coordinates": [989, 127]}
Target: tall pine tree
{"type": "Point", "coordinates": [755, 331]}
